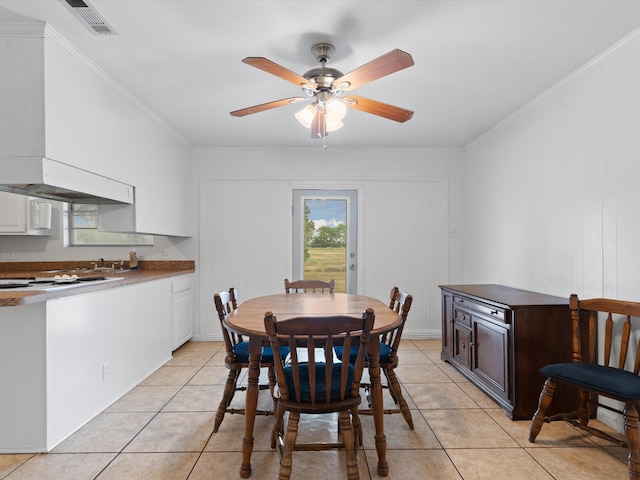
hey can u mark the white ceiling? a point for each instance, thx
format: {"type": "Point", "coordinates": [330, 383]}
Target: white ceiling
{"type": "Point", "coordinates": [476, 61]}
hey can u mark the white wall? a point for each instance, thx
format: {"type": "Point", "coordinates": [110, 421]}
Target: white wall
{"type": "Point", "coordinates": [552, 194]}
{"type": "Point", "coordinates": [408, 200]}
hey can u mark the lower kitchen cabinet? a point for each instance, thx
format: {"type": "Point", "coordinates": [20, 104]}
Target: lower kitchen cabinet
{"type": "Point", "coordinates": [499, 337]}
{"type": "Point", "coordinates": [182, 309]}
{"type": "Point", "coordinates": [65, 360]}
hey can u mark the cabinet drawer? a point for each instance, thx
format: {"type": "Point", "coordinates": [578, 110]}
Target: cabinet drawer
{"type": "Point", "coordinates": [182, 283]}
{"type": "Point", "coordinates": [460, 316]}
{"type": "Point", "coordinates": [462, 347]}
{"type": "Point", "coordinates": [491, 311]}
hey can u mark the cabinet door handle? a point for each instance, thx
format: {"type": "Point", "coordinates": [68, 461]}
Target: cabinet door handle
{"type": "Point", "coordinates": [463, 345]}
{"type": "Point", "coordinates": [494, 312]}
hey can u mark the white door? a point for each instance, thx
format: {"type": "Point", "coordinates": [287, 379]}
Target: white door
{"type": "Point", "coordinates": [324, 236]}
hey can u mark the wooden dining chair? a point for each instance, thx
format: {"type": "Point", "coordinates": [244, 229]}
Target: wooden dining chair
{"type": "Point", "coordinates": [400, 302]}
{"type": "Point", "coordinates": [237, 358]}
{"type": "Point", "coordinates": [306, 286]}
{"type": "Point", "coordinates": [312, 381]}
{"type": "Point", "coordinates": [612, 377]}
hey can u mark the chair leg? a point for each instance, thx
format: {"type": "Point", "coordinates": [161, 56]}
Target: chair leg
{"type": "Point", "coordinates": [543, 403]}
{"type": "Point", "coordinates": [277, 428]}
{"type": "Point", "coordinates": [272, 387]}
{"type": "Point", "coordinates": [396, 392]}
{"type": "Point", "coordinates": [632, 433]}
{"type": "Point", "coordinates": [344, 420]}
{"type": "Point", "coordinates": [227, 397]}
{"type": "Point", "coordinates": [357, 427]}
{"type": "Point", "coordinates": [289, 442]}
{"type": "Point", "coordinates": [583, 408]}
{"type": "Point", "coordinates": [387, 372]}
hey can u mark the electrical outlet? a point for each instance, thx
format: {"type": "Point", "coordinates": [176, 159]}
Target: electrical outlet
{"type": "Point", "coordinates": [106, 371]}
{"type": "Point", "coordinates": [11, 256]}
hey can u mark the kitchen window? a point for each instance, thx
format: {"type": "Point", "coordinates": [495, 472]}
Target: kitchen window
{"type": "Point", "coordinates": [82, 222]}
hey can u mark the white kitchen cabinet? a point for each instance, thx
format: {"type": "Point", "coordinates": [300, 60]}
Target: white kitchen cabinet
{"type": "Point", "coordinates": [22, 215]}
{"type": "Point", "coordinates": [182, 308]}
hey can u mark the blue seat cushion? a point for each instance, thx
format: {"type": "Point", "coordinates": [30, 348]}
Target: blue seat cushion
{"type": "Point", "coordinates": [321, 388]}
{"type": "Point", "coordinates": [385, 351]}
{"type": "Point", "coordinates": [610, 381]}
{"type": "Point", "coordinates": [241, 351]}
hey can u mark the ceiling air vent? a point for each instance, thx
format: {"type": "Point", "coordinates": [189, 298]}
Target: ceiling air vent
{"type": "Point", "coordinates": [90, 18]}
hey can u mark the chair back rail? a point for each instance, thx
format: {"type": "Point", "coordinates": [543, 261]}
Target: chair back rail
{"type": "Point", "coordinates": [303, 335]}
{"type": "Point", "coordinates": [225, 303]}
{"type": "Point", "coordinates": [611, 308]}
{"type": "Point", "coordinates": [401, 304]}
{"type": "Point", "coordinates": [306, 286]}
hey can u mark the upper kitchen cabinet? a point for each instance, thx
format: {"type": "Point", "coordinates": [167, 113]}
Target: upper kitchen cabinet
{"type": "Point", "coordinates": [58, 105]}
{"type": "Point", "coordinates": [22, 215]}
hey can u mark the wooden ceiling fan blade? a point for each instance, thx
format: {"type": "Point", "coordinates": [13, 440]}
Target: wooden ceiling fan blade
{"type": "Point", "coordinates": [388, 63]}
{"type": "Point", "coordinates": [378, 108]}
{"type": "Point", "coordinates": [265, 106]}
{"type": "Point", "coordinates": [278, 70]}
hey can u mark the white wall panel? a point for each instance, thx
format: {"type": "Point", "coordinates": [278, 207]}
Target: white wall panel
{"type": "Point", "coordinates": [246, 230]}
{"type": "Point", "coordinates": [405, 245]}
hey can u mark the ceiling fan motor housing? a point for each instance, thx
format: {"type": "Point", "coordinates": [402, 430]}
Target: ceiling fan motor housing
{"type": "Point", "coordinates": [323, 77]}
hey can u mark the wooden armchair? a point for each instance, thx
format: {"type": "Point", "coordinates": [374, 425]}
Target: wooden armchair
{"type": "Point", "coordinates": [313, 286]}
{"type": "Point", "coordinates": [312, 381]}
{"type": "Point", "coordinates": [237, 358]}
{"type": "Point", "coordinates": [399, 302]}
{"type": "Point", "coordinates": [612, 378]}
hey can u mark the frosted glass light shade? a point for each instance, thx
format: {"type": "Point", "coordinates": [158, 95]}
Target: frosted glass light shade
{"type": "Point", "coordinates": [305, 116]}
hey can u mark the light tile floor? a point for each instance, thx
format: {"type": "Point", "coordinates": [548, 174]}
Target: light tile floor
{"type": "Point", "coordinates": [163, 429]}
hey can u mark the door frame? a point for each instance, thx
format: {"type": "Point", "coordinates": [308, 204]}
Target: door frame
{"type": "Point", "coordinates": [337, 187]}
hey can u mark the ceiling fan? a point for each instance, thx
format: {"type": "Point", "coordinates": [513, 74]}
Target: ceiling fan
{"type": "Point", "coordinates": [326, 86]}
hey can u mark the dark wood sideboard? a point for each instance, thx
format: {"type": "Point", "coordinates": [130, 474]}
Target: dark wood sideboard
{"type": "Point", "coordinates": [499, 337]}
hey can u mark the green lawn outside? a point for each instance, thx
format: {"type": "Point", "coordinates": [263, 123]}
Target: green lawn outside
{"type": "Point", "coordinates": [327, 263]}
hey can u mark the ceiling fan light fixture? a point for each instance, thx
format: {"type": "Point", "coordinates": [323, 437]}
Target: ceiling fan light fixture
{"type": "Point", "coordinates": [335, 109]}
{"type": "Point", "coordinates": [306, 115]}
{"type": "Point", "coordinates": [333, 125]}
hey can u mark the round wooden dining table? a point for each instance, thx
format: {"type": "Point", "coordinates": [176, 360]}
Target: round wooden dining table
{"type": "Point", "coordinates": [248, 319]}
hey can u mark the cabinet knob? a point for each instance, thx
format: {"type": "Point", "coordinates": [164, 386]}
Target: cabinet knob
{"type": "Point", "coordinates": [463, 345]}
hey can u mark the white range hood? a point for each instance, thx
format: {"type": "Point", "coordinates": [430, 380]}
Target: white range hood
{"type": "Point", "coordinates": [47, 178]}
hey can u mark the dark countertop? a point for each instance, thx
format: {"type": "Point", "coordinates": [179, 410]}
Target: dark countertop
{"type": "Point", "coordinates": [146, 271]}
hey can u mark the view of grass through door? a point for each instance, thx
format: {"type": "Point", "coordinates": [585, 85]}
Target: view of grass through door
{"type": "Point", "coordinates": [325, 241]}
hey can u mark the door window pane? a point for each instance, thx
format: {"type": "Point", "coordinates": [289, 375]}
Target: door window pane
{"type": "Point", "coordinates": [325, 242]}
